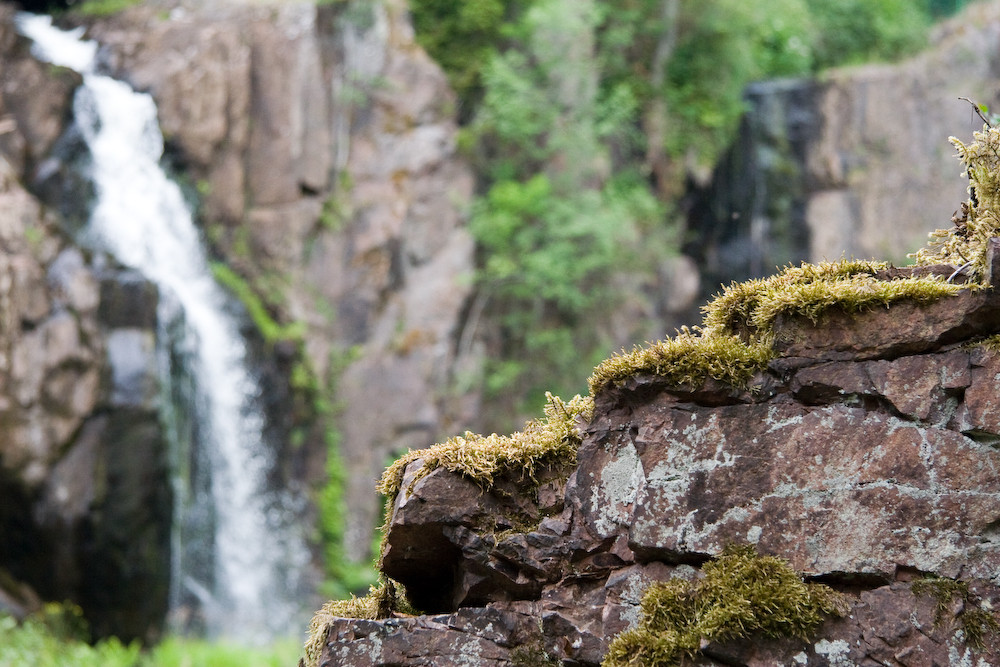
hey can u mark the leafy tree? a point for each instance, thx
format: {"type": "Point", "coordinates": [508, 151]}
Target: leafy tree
{"type": "Point", "coordinates": [585, 118]}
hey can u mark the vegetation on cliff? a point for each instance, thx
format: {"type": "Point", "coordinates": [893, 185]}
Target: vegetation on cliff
{"type": "Point", "coordinates": [583, 120]}
{"type": "Point", "coordinates": [964, 245]}
{"type": "Point", "coordinates": [740, 594]}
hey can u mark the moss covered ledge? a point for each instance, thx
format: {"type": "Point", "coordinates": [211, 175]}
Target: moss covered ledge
{"type": "Point", "coordinates": [735, 344]}
{"type": "Point", "coordinates": [737, 337]}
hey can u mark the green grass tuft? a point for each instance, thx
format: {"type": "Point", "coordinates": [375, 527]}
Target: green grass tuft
{"type": "Point", "coordinates": [105, 7]}
{"type": "Point", "coordinates": [55, 637]}
{"type": "Point", "coordinates": [976, 622]}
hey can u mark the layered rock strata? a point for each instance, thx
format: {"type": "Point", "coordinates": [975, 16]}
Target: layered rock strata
{"type": "Point", "coordinates": [865, 455]}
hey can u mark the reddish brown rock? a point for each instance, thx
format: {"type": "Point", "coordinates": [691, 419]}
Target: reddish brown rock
{"type": "Point", "coordinates": [867, 469]}
{"type": "Point", "coordinates": [884, 333]}
{"type": "Point", "coordinates": [492, 636]}
{"type": "Point", "coordinates": [456, 544]}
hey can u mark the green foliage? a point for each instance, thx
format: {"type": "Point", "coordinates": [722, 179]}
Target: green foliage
{"type": "Point", "coordinates": [183, 652]}
{"type": "Point", "coordinates": [553, 226]}
{"type": "Point", "coordinates": [462, 35]}
{"type": "Point", "coordinates": [55, 637]}
{"type": "Point", "coordinates": [558, 95]}
{"type": "Point", "coordinates": [270, 329]}
{"type": "Point", "coordinates": [851, 31]}
{"type": "Point", "coordinates": [343, 578]}
{"type": "Point", "coordinates": [105, 7]}
{"type": "Point", "coordinates": [741, 594]}
{"type": "Point", "coordinates": [704, 98]}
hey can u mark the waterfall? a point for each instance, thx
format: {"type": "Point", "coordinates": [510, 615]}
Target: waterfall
{"type": "Point", "coordinates": [237, 552]}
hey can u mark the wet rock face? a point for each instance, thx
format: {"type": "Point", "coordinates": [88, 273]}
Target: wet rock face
{"type": "Point", "coordinates": [855, 165]}
{"type": "Point", "coordinates": [868, 468]}
{"type": "Point", "coordinates": [85, 509]}
{"type": "Point", "coordinates": [322, 140]}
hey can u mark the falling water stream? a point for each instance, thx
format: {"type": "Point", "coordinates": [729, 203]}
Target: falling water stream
{"type": "Point", "coordinates": [236, 552]}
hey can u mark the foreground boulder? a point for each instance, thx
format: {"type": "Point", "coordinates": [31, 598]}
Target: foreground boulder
{"type": "Point", "coordinates": [809, 479]}
{"type": "Point", "coordinates": [874, 472]}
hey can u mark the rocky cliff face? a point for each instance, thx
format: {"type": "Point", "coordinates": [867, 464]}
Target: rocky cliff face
{"type": "Point", "coordinates": [322, 141]}
{"type": "Point", "coordinates": [853, 164]}
{"type": "Point", "coordinates": [319, 142]}
{"type": "Point", "coordinates": [863, 455]}
{"type": "Point", "coordinates": [83, 471]}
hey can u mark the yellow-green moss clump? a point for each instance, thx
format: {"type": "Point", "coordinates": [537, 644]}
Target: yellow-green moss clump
{"type": "Point", "coordinates": [381, 602]}
{"type": "Point", "coordinates": [736, 338]}
{"type": "Point", "coordinates": [688, 359]}
{"type": "Point", "coordinates": [551, 441]}
{"type": "Point", "coordinates": [741, 594]}
{"type": "Point", "coordinates": [964, 245]}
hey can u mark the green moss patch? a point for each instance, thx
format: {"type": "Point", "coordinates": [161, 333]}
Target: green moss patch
{"type": "Point", "coordinates": [550, 441]}
{"type": "Point", "coordinates": [741, 594]}
{"type": "Point", "coordinates": [686, 360]}
{"type": "Point", "coordinates": [977, 623]}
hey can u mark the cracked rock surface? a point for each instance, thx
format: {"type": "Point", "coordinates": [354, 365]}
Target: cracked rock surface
{"type": "Point", "coordinates": [868, 469]}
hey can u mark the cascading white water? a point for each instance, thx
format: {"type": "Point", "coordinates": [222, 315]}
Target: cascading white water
{"type": "Point", "coordinates": [246, 585]}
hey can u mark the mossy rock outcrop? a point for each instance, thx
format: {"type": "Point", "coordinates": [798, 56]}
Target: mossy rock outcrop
{"type": "Point", "coordinates": [776, 487]}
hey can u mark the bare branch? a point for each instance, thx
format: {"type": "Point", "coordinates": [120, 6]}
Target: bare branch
{"type": "Point", "coordinates": [978, 111]}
